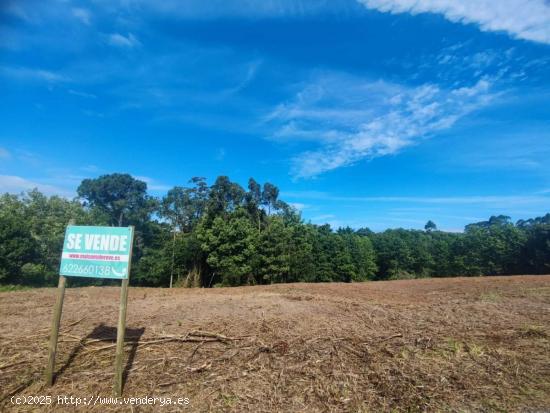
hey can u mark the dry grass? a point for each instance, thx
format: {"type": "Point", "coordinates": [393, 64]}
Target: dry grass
{"type": "Point", "coordinates": [478, 344]}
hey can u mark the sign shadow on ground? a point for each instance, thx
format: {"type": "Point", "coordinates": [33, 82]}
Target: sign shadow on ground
{"type": "Point", "coordinates": [107, 334]}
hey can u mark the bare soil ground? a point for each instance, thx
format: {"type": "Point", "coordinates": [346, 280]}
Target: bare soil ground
{"type": "Point", "coordinates": [461, 344]}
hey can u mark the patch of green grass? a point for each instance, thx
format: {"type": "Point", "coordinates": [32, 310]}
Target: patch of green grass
{"type": "Point", "coordinates": [475, 350]}
{"type": "Point", "coordinates": [490, 297]}
{"type": "Point", "coordinates": [405, 354]}
{"type": "Point", "coordinates": [538, 291]}
{"type": "Point", "coordinates": [13, 287]}
{"type": "Point", "coordinates": [456, 347]}
{"type": "Point", "coordinates": [229, 400]}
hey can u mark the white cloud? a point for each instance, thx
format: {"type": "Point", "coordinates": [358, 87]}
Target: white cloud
{"type": "Point", "coordinates": [91, 168]}
{"type": "Point", "coordinates": [82, 94]}
{"type": "Point", "coordinates": [298, 205]}
{"type": "Point", "coordinates": [250, 74]}
{"type": "Point", "coordinates": [16, 184]}
{"type": "Point", "coordinates": [118, 40]}
{"type": "Point", "coordinates": [83, 15]}
{"type": "Point", "coordinates": [323, 217]}
{"type": "Point", "coordinates": [529, 20]}
{"type": "Point", "coordinates": [352, 119]}
{"type": "Point", "coordinates": [153, 185]}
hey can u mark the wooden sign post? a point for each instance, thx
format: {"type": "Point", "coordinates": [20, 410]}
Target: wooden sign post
{"type": "Point", "coordinates": [98, 252]}
{"type": "Point", "coordinates": [56, 319]}
{"type": "Point", "coordinates": [121, 329]}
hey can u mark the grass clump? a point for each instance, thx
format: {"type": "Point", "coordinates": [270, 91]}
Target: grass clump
{"type": "Point", "coordinates": [532, 331]}
{"type": "Point", "coordinates": [13, 287]}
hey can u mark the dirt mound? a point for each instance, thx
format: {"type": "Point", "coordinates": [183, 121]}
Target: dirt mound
{"type": "Point", "coordinates": [479, 344]}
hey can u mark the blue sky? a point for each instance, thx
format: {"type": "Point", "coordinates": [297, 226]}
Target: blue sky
{"type": "Point", "coordinates": [378, 113]}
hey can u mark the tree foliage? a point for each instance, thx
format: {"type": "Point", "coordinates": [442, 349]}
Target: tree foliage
{"type": "Point", "coordinates": [224, 234]}
{"type": "Point", "coordinates": [121, 198]}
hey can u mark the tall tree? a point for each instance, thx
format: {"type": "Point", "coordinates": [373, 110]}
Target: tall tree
{"type": "Point", "coordinates": [430, 226]}
{"type": "Point", "coordinates": [224, 197]}
{"type": "Point", "coordinates": [270, 195]}
{"type": "Point", "coordinates": [17, 245]}
{"type": "Point", "coordinates": [184, 207]}
{"type": "Point", "coordinates": [362, 255]}
{"type": "Point", "coordinates": [122, 198]}
{"type": "Point", "coordinates": [253, 200]}
{"type": "Point", "coordinates": [274, 251]}
{"type": "Point", "coordinates": [230, 245]}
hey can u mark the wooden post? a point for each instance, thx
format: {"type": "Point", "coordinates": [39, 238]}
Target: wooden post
{"type": "Point", "coordinates": [121, 329]}
{"type": "Point", "coordinates": [55, 329]}
{"type": "Point", "coordinates": [120, 337]}
{"type": "Point", "coordinates": [56, 320]}
{"type": "Point", "coordinates": [173, 257]}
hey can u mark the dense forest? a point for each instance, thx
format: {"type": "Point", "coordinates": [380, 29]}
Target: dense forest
{"type": "Point", "coordinates": [223, 234]}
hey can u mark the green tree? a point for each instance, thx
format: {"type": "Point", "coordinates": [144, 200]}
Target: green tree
{"type": "Point", "coordinates": [536, 250]}
{"type": "Point", "coordinates": [301, 260]}
{"type": "Point", "coordinates": [120, 197]}
{"type": "Point", "coordinates": [17, 245]}
{"type": "Point", "coordinates": [254, 201]}
{"type": "Point", "coordinates": [224, 197]}
{"type": "Point", "coordinates": [343, 268]}
{"type": "Point", "coordinates": [362, 255]}
{"type": "Point", "coordinates": [184, 207]}
{"type": "Point", "coordinates": [47, 218]}
{"type": "Point", "coordinates": [230, 246]}
{"type": "Point", "coordinates": [270, 196]}
{"type": "Point", "coordinates": [430, 226]}
{"type": "Point", "coordinates": [274, 251]}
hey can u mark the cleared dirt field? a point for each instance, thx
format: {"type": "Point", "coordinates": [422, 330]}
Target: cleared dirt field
{"type": "Point", "coordinates": [462, 344]}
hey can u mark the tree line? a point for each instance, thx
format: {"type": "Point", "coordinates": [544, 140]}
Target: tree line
{"type": "Point", "coordinates": [223, 234]}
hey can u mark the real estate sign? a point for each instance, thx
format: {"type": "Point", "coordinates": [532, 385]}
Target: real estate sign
{"type": "Point", "coordinates": [99, 252]}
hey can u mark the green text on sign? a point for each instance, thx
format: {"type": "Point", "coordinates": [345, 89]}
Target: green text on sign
{"type": "Point", "coordinates": [99, 252]}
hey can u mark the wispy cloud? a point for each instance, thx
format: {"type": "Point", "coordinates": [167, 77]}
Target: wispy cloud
{"type": "Point", "coordinates": [323, 217]}
{"type": "Point", "coordinates": [15, 8]}
{"type": "Point", "coordinates": [82, 94]}
{"type": "Point", "coordinates": [245, 8]}
{"type": "Point", "coordinates": [4, 153]}
{"type": "Point", "coordinates": [466, 60]}
{"type": "Point", "coordinates": [249, 76]}
{"type": "Point", "coordinates": [91, 168]}
{"type": "Point", "coordinates": [119, 40]}
{"type": "Point", "coordinates": [16, 184]}
{"type": "Point", "coordinates": [529, 20]}
{"type": "Point", "coordinates": [354, 119]}
{"type": "Point", "coordinates": [455, 200]}
{"type": "Point", "coordinates": [83, 15]}
{"type": "Point", "coordinates": [25, 73]}
{"type": "Point", "coordinates": [153, 184]}
{"type": "Point", "coordinates": [31, 159]}
{"type": "Point", "coordinates": [220, 154]}
{"type": "Point", "coordinates": [298, 205]}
